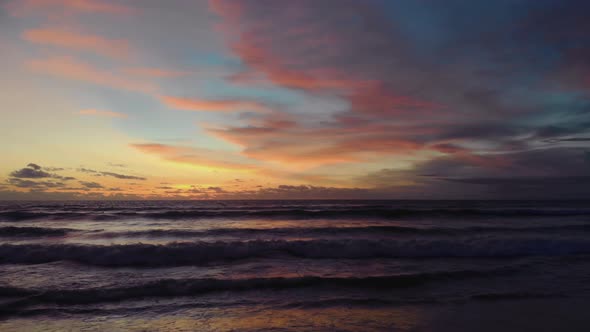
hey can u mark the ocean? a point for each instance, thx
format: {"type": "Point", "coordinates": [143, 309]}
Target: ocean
{"type": "Point", "coordinates": [295, 266]}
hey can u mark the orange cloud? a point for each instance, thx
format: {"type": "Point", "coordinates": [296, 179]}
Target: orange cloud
{"type": "Point", "coordinates": [71, 68]}
{"type": "Point", "coordinates": [192, 104]}
{"type": "Point", "coordinates": [193, 156]}
{"type": "Point", "coordinates": [78, 41]}
{"type": "Point", "coordinates": [108, 114]}
{"type": "Point", "coordinates": [23, 7]}
{"type": "Point", "coordinates": [281, 142]}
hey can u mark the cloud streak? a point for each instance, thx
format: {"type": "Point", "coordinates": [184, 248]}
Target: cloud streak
{"type": "Point", "coordinates": [111, 174]}
{"type": "Point", "coordinates": [108, 114]}
{"type": "Point", "coordinates": [71, 68]}
{"type": "Point", "coordinates": [204, 105]}
{"type": "Point", "coordinates": [28, 7]}
{"type": "Point", "coordinates": [118, 49]}
{"type": "Point", "coordinates": [194, 156]}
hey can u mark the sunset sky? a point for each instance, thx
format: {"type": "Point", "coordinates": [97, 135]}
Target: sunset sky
{"type": "Point", "coordinates": [263, 99]}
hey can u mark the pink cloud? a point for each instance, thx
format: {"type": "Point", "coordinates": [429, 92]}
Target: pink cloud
{"type": "Point", "coordinates": [24, 7]}
{"type": "Point", "coordinates": [71, 68]}
{"type": "Point", "coordinates": [115, 48]}
{"type": "Point", "coordinates": [193, 104]}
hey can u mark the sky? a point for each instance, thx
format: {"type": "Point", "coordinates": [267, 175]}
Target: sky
{"type": "Point", "coordinates": [306, 99]}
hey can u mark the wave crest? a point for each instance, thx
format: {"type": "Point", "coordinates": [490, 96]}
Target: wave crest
{"type": "Point", "coordinates": [293, 213]}
{"type": "Point", "coordinates": [199, 253]}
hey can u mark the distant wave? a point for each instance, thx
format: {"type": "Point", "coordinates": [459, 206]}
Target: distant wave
{"type": "Point", "coordinates": [513, 296]}
{"type": "Point", "coordinates": [323, 231]}
{"type": "Point", "coordinates": [12, 231]}
{"type": "Point", "coordinates": [32, 231]}
{"type": "Point", "coordinates": [32, 215]}
{"type": "Point", "coordinates": [188, 287]}
{"type": "Point", "coordinates": [197, 253]}
{"type": "Point", "coordinates": [301, 213]}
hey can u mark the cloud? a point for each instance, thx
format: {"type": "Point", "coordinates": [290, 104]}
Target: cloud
{"type": "Point", "coordinates": [477, 99]}
{"type": "Point", "coordinates": [34, 171]}
{"type": "Point", "coordinates": [194, 192]}
{"type": "Point", "coordinates": [155, 72]}
{"type": "Point", "coordinates": [111, 174]}
{"type": "Point", "coordinates": [403, 99]}
{"type": "Point", "coordinates": [194, 156]}
{"type": "Point", "coordinates": [108, 114]}
{"type": "Point", "coordinates": [53, 169]}
{"type": "Point", "coordinates": [193, 104]}
{"type": "Point", "coordinates": [276, 139]}
{"type": "Point", "coordinates": [71, 68]}
{"type": "Point", "coordinates": [300, 192]}
{"type": "Point", "coordinates": [86, 170]}
{"type": "Point", "coordinates": [540, 174]}
{"type": "Point", "coordinates": [115, 48]}
{"type": "Point", "coordinates": [27, 7]}
{"type": "Point", "coordinates": [533, 181]}
{"type": "Point", "coordinates": [91, 185]}
{"type": "Point", "coordinates": [38, 185]}
{"type": "Point", "coordinates": [123, 176]}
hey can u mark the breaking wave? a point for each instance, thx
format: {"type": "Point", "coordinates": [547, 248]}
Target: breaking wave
{"type": "Point", "coordinates": [323, 231]}
{"type": "Point", "coordinates": [333, 213]}
{"type": "Point", "coordinates": [191, 287]}
{"type": "Point", "coordinates": [199, 253]}
{"type": "Point", "coordinates": [32, 231]}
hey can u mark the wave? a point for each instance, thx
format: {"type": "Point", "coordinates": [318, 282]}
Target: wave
{"type": "Point", "coordinates": [513, 296]}
{"type": "Point", "coordinates": [201, 253]}
{"type": "Point", "coordinates": [357, 302]}
{"type": "Point", "coordinates": [300, 213]}
{"type": "Point", "coordinates": [323, 231]}
{"type": "Point", "coordinates": [191, 287]}
{"type": "Point", "coordinates": [13, 231]}
{"type": "Point", "coordinates": [32, 231]}
{"type": "Point", "coordinates": [33, 215]}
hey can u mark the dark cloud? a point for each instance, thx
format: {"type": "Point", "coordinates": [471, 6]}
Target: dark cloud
{"type": "Point", "coordinates": [86, 170]}
{"type": "Point", "coordinates": [40, 185]}
{"type": "Point", "coordinates": [534, 181]}
{"type": "Point", "coordinates": [539, 174]}
{"type": "Point", "coordinates": [74, 189]}
{"type": "Point", "coordinates": [34, 171]}
{"type": "Point", "coordinates": [571, 139]}
{"type": "Point", "coordinates": [115, 175]}
{"type": "Point", "coordinates": [123, 176]}
{"type": "Point", "coordinates": [54, 169]}
{"type": "Point", "coordinates": [91, 185]}
{"type": "Point", "coordinates": [34, 166]}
